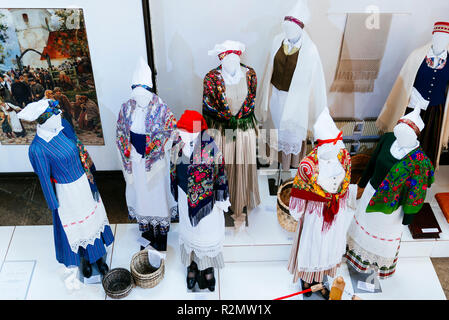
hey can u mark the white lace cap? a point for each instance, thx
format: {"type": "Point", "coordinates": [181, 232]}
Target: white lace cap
{"type": "Point", "coordinates": [225, 46]}
{"type": "Point", "coordinates": [33, 110]}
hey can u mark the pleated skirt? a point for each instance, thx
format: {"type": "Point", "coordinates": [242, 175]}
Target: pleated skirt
{"type": "Point", "coordinates": [241, 168]}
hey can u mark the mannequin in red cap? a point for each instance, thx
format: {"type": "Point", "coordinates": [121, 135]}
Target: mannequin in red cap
{"type": "Point", "coordinates": [426, 70]}
{"type": "Point", "coordinates": [200, 187]}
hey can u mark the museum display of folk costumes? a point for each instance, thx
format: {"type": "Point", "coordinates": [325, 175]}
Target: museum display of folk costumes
{"type": "Point", "coordinates": [65, 171]}
{"type": "Point", "coordinates": [293, 92]}
{"type": "Point", "coordinates": [395, 184]}
{"type": "Point", "coordinates": [144, 127]}
{"type": "Point", "coordinates": [323, 201]}
{"type": "Point", "coordinates": [228, 107]}
{"type": "Point", "coordinates": [200, 188]}
{"type": "Point", "coordinates": [427, 71]}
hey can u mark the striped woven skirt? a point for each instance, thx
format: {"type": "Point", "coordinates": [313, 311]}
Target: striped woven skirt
{"type": "Point", "coordinates": [241, 169]}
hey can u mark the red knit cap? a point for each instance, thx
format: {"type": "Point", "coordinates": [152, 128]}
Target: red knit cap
{"type": "Point", "coordinates": [192, 121]}
{"type": "Point", "coordinates": [441, 26]}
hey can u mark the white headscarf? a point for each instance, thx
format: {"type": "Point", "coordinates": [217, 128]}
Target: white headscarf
{"type": "Point", "coordinates": [33, 110]}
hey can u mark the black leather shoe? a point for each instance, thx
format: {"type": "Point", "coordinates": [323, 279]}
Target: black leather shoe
{"type": "Point", "coordinates": [162, 242]}
{"type": "Point", "coordinates": [209, 278]}
{"type": "Point", "coordinates": [306, 286]}
{"type": "Point", "coordinates": [102, 266]}
{"type": "Point", "coordinates": [192, 275]}
{"type": "Point", "coordinates": [325, 293]}
{"type": "Point", "coordinates": [86, 268]}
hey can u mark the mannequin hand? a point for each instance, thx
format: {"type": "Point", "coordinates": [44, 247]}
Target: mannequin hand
{"type": "Point", "coordinates": [359, 192]}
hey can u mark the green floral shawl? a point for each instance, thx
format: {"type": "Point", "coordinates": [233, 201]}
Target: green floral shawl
{"type": "Point", "coordinates": [405, 185]}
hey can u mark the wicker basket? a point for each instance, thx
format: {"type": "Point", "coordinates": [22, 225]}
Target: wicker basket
{"type": "Point", "coordinates": [283, 200]}
{"type": "Point", "coordinates": [118, 283]}
{"type": "Point", "coordinates": [144, 274]}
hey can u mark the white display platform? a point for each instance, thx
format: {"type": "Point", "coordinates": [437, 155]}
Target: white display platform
{"type": "Point", "coordinates": [256, 260]}
{"type": "Point", "coordinates": [435, 248]}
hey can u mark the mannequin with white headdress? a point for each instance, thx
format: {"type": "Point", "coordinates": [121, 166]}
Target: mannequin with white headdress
{"type": "Point", "coordinates": [228, 108]}
{"type": "Point", "coordinates": [392, 190]}
{"type": "Point", "coordinates": [293, 91]}
{"type": "Point", "coordinates": [323, 201]}
{"type": "Point", "coordinates": [144, 129]}
{"type": "Point", "coordinates": [65, 170]}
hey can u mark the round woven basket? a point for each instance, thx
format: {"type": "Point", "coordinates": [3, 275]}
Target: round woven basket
{"type": "Point", "coordinates": [118, 283]}
{"type": "Point", "coordinates": [283, 200]}
{"type": "Point", "coordinates": [144, 274]}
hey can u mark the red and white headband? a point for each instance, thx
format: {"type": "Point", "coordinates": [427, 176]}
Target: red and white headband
{"type": "Point", "coordinates": [411, 124]}
{"type": "Point", "coordinates": [294, 20]}
{"type": "Point", "coordinates": [222, 55]}
{"type": "Point", "coordinates": [441, 27]}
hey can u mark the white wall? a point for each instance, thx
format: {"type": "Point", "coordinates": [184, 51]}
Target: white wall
{"type": "Point", "coordinates": [183, 31]}
{"type": "Point", "coordinates": [116, 38]}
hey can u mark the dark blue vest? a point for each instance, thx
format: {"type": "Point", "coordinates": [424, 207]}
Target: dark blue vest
{"type": "Point", "coordinates": [139, 142]}
{"type": "Point", "coordinates": [432, 83]}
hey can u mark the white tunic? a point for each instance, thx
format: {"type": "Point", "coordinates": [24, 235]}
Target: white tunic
{"type": "Point", "coordinates": [323, 250]}
{"type": "Point", "coordinates": [375, 236]}
{"type": "Point", "coordinates": [207, 237]}
{"type": "Point", "coordinates": [147, 202]}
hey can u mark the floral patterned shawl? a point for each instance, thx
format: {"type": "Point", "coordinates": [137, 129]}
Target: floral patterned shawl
{"type": "Point", "coordinates": [305, 188]}
{"type": "Point", "coordinates": [215, 106]}
{"type": "Point", "coordinates": [159, 125]}
{"type": "Point", "coordinates": [206, 181]}
{"type": "Point", "coordinates": [405, 185]}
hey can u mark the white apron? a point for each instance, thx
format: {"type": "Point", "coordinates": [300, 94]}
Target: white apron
{"type": "Point", "coordinates": [82, 218]}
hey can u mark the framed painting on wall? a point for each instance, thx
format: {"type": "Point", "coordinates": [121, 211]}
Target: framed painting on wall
{"type": "Point", "coordinates": [44, 53]}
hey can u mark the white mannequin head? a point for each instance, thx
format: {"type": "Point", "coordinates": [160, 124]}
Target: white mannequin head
{"type": "Point", "coordinates": [231, 64]}
{"type": "Point", "coordinates": [187, 136]}
{"type": "Point", "coordinates": [405, 135]}
{"type": "Point", "coordinates": [440, 42]}
{"type": "Point", "coordinates": [301, 16]}
{"type": "Point", "coordinates": [292, 31]}
{"type": "Point", "coordinates": [440, 37]}
{"type": "Point", "coordinates": [325, 129]}
{"type": "Point", "coordinates": [142, 96]}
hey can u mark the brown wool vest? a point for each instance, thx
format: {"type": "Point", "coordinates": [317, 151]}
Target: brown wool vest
{"type": "Point", "coordinates": [283, 68]}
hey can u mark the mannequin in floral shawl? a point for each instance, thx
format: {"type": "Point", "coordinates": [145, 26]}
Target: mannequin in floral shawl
{"type": "Point", "coordinates": [144, 127]}
{"type": "Point", "coordinates": [65, 170]}
{"type": "Point", "coordinates": [324, 203]}
{"type": "Point", "coordinates": [392, 189]}
{"type": "Point", "coordinates": [228, 107]}
{"type": "Point", "coordinates": [200, 188]}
